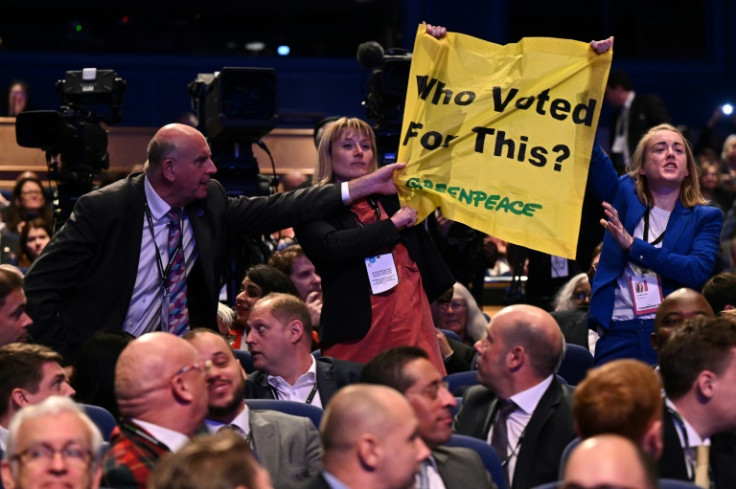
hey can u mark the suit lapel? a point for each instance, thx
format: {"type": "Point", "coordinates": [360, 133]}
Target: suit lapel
{"type": "Point", "coordinates": [266, 442]}
{"type": "Point", "coordinates": [134, 228]}
{"type": "Point", "coordinates": [542, 413]}
{"type": "Point", "coordinates": [203, 242]}
{"type": "Point", "coordinates": [488, 419]}
{"type": "Point", "coordinates": [679, 218]}
{"type": "Point", "coordinates": [326, 383]}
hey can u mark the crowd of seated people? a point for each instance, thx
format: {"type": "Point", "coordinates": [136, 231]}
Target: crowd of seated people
{"type": "Point", "coordinates": [180, 403]}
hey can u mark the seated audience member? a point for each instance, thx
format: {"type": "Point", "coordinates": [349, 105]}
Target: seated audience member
{"type": "Point", "coordinates": [14, 321]}
{"type": "Point", "coordinates": [287, 446]}
{"type": "Point", "coordinates": [280, 340]}
{"type": "Point", "coordinates": [609, 461]}
{"type": "Point", "coordinates": [571, 312]}
{"type": "Point", "coordinates": [293, 262]}
{"type": "Point", "coordinates": [38, 433]}
{"type": "Point", "coordinates": [462, 316]}
{"type": "Point", "coordinates": [622, 397]}
{"type": "Point", "coordinates": [457, 355]}
{"type": "Point", "coordinates": [259, 280]}
{"type": "Point", "coordinates": [161, 387]}
{"type": "Point", "coordinates": [225, 319]}
{"type": "Point", "coordinates": [33, 239]}
{"type": "Point", "coordinates": [17, 97]}
{"type": "Point", "coordinates": [677, 308]}
{"type": "Point", "coordinates": [27, 201]}
{"type": "Point", "coordinates": [521, 408]}
{"type": "Point", "coordinates": [94, 371]}
{"type": "Point", "coordinates": [370, 437]}
{"type": "Point", "coordinates": [720, 292]}
{"type": "Point", "coordinates": [698, 370]}
{"type": "Point", "coordinates": [712, 188]}
{"type": "Point", "coordinates": [28, 375]}
{"type": "Point", "coordinates": [407, 369]}
{"type": "Point", "coordinates": [223, 460]}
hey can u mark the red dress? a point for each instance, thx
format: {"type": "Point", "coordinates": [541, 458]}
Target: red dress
{"type": "Point", "coordinates": [400, 316]}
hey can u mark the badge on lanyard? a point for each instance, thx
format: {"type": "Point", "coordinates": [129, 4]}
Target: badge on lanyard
{"type": "Point", "coordinates": [382, 272]}
{"type": "Point", "coordinates": [646, 290]}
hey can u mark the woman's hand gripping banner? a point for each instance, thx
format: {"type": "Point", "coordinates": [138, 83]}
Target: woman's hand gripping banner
{"type": "Point", "coordinates": [500, 137]}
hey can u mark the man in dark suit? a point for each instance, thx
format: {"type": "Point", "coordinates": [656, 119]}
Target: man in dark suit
{"type": "Point", "coordinates": [520, 408]}
{"type": "Point", "coordinates": [408, 370]}
{"type": "Point", "coordinates": [698, 369]}
{"type": "Point", "coordinates": [370, 437]}
{"type": "Point", "coordinates": [287, 446]}
{"type": "Point", "coordinates": [280, 341]}
{"type": "Point", "coordinates": [635, 115]}
{"type": "Point", "coordinates": [14, 321]}
{"type": "Point", "coordinates": [118, 260]}
{"type": "Point", "coordinates": [161, 389]}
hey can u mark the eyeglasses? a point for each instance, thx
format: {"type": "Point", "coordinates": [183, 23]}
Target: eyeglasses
{"type": "Point", "coordinates": [580, 296]}
{"type": "Point", "coordinates": [454, 304]}
{"type": "Point", "coordinates": [44, 454]}
{"type": "Point", "coordinates": [201, 366]}
{"type": "Point", "coordinates": [433, 390]}
{"type": "Point", "coordinates": [31, 192]}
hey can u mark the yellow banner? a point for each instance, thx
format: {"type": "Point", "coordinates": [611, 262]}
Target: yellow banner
{"type": "Point", "coordinates": [500, 137]}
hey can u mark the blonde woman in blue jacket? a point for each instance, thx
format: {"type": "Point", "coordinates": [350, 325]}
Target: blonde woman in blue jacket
{"type": "Point", "coordinates": [660, 236]}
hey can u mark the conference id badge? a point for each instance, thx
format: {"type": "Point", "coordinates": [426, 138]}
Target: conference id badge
{"type": "Point", "coordinates": [646, 290]}
{"type": "Point", "coordinates": [382, 272]}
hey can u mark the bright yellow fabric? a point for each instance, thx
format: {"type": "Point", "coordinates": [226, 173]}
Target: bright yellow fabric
{"type": "Point", "coordinates": [500, 137]}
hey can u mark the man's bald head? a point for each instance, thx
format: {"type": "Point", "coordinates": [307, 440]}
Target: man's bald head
{"type": "Point", "coordinates": [149, 380]}
{"type": "Point", "coordinates": [168, 142]}
{"type": "Point", "coordinates": [610, 460]}
{"type": "Point", "coordinates": [678, 307]}
{"type": "Point", "coordinates": [358, 409]}
{"type": "Point", "coordinates": [370, 437]}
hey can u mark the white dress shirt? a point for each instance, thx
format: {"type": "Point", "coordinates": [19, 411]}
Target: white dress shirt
{"type": "Point", "coordinates": [301, 389]}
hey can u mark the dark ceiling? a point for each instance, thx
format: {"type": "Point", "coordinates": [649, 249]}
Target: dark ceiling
{"type": "Point", "coordinates": [310, 27]}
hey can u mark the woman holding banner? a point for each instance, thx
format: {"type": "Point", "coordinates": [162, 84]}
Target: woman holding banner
{"type": "Point", "coordinates": [660, 236]}
{"type": "Point", "coordinates": [379, 271]}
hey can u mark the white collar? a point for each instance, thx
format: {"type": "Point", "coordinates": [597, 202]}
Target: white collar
{"type": "Point", "coordinates": [242, 421]}
{"type": "Point", "coordinates": [527, 400]}
{"type": "Point", "coordinates": [172, 439]}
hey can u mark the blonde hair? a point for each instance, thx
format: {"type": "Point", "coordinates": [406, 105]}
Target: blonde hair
{"type": "Point", "coordinates": [690, 195]}
{"type": "Point", "coordinates": [323, 174]}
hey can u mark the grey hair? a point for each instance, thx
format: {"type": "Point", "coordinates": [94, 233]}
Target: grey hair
{"type": "Point", "coordinates": [476, 322]}
{"type": "Point", "coordinates": [53, 406]}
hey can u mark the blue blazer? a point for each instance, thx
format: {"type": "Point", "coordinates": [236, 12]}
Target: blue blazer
{"type": "Point", "coordinates": [688, 251]}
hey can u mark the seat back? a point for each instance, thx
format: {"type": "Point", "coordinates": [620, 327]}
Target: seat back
{"type": "Point", "coordinates": [575, 364]}
{"type": "Point", "coordinates": [459, 381]}
{"type": "Point", "coordinates": [245, 359]}
{"type": "Point", "coordinates": [101, 417]}
{"type": "Point", "coordinates": [295, 408]}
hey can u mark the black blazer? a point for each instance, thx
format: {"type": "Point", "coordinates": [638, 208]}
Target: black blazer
{"type": "Point", "coordinates": [722, 455]}
{"type": "Point", "coordinates": [84, 279]}
{"type": "Point", "coordinates": [332, 374]}
{"type": "Point", "coordinates": [338, 245]}
{"type": "Point", "coordinates": [547, 434]}
{"type": "Point", "coordinates": [646, 111]}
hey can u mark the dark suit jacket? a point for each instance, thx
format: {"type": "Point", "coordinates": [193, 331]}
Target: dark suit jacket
{"type": "Point", "coordinates": [646, 111]}
{"type": "Point", "coordinates": [131, 458]}
{"type": "Point", "coordinates": [84, 279]}
{"type": "Point", "coordinates": [337, 246]}
{"type": "Point", "coordinates": [461, 468]}
{"type": "Point", "coordinates": [332, 374]}
{"type": "Point", "coordinates": [574, 326]}
{"type": "Point", "coordinates": [461, 359]}
{"type": "Point", "coordinates": [549, 431]}
{"type": "Point", "coordinates": [722, 456]}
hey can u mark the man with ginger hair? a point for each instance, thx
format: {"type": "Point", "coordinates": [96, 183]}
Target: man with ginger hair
{"type": "Point", "coordinates": [161, 388]}
{"type": "Point", "coordinates": [370, 438]}
{"type": "Point", "coordinates": [622, 397]}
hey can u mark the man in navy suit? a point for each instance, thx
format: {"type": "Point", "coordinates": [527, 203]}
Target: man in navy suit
{"type": "Point", "coordinates": [517, 362]}
{"type": "Point", "coordinates": [280, 340]}
{"type": "Point", "coordinates": [109, 266]}
{"type": "Point", "coordinates": [698, 369]}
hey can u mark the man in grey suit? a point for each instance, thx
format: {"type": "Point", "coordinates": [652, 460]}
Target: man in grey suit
{"type": "Point", "coordinates": [521, 408]}
{"type": "Point", "coordinates": [287, 446]}
{"type": "Point", "coordinates": [408, 370]}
